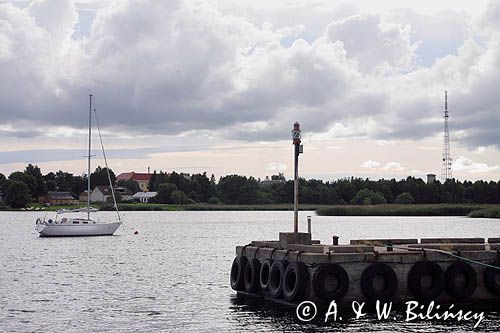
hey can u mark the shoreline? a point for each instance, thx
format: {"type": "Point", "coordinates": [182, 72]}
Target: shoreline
{"type": "Point", "coordinates": [471, 210]}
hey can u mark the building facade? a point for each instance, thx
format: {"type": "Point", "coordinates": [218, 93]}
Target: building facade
{"type": "Point", "coordinates": [141, 178]}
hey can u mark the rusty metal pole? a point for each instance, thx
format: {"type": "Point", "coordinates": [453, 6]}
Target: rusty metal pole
{"type": "Point", "coordinates": [296, 141]}
{"type": "Point", "coordinates": [296, 191]}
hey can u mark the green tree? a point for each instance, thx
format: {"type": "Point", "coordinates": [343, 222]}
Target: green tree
{"type": "Point", "coordinates": [64, 181]}
{"type": "Point", "coordinates": [130, 185]}
{"type": "Point", "coordinates": [388, 195]}
{"type": "Point", "coordinates": [279, 176]}
{"type": "Point", "coordinates": [404, 198]}
{"type": "Point", "coordinates": [25, 178]}
{"type": "Point", "coordinates": [3, 183]}
{"type": "Point", "coordinates": [34, 171]}
{"type": "Point", "coordinates": [50, 181]}
{"type": "Point", "coordinates": [156, 180]}
{"type": "Point", "coordinates": [17, 194]}
{"type": "Point", "coordinates": [368, 197]}
{"type": "Point", "coordinates": [181, 180]}
{"type": "Point", "coordinates": [214, 201]}
{"type": "Point", "coordinates": [378, 199]}
{"type": "Point", "coordinates": [152, 181]}
{"type": "Point", "coordinates": [235, 189]}
{"type": "Point", "coordinates": [100, 177]}
{"type": "Point", "coordinates": [165, 191]}
{"type": "Point", "coordinates": [179, 198]}
{"type": "Point", "coordinates": [345, 190]}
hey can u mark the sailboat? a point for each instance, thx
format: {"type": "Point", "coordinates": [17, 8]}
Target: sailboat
{"type": "Point", "coordinates": [65, 225]}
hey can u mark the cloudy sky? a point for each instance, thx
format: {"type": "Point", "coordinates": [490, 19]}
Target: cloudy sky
{"type": "Point", "coordinates": [216, 85]}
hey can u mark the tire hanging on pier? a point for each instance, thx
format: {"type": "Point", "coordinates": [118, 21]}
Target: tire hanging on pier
{"type": "Point", "coordinates": [295, 280]}
{"type": "Point", "coordinates": [490, 279]}
{"type": "Point", "coordinates": [251, 275]}
{"type": "Point", "coordinates": [276, 278]}
{"type": "Point", "coordinates": [330, 282]}
{"type": "Point", "coordinates": [382, 291]}
{"type": "Point", "coordinates": [430, 290]}
{"type": "Point", "coordinates": [453, 275]}
{"type": "Point", "coordinates": [265, 269]}
{"type": "Point", "coordinates": [237, 272]}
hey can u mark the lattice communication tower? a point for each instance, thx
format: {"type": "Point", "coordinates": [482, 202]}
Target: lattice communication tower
{"type": "Point", "coordinates": [446, 162]}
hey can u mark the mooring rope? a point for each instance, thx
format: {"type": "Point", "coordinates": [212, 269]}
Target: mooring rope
{"type": "Point", "coordinates": [444, 252]}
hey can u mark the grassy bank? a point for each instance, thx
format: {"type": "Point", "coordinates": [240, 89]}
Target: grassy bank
{"type": "Point", "coordinates": [472, 210]}
{"type": "Point", "coordinates": [191, 207]}
{"type": "Point", "coordinates": [406, 210]}
{"type": "Point", "coordinates": [492, 213]}
{"type": "Point", "coordinates": [209, 207]}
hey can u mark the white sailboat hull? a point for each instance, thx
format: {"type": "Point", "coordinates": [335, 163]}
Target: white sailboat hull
{"type": "Point", "coordinates": [59, 230]}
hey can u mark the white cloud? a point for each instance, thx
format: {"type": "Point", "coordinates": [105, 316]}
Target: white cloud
{"type": "Point", "coordinates": [177, 66]}
{"type": "Point", "coordinates": [479, 150]}
{"type": "Point", "coordinates": [465, 164]}
{"type": "Point", "coordinates": [393, 166]}
{"type": "Point", "coordinates": [370, 164]}
{"type": "Point", "coordinates": [276, 167]}
{"type": "Point", "coordinates": [376, 46]}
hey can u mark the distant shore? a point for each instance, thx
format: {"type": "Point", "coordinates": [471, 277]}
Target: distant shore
{"type": "Point", "coordinates": [471, 210]}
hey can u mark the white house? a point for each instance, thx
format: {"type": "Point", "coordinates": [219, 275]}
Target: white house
{"type": "Point", "coordinates": [144, 197]}
{"type": "Point", "coordinates": [100, 194]}
{"type": "Point", "coordinates": [103, 194]}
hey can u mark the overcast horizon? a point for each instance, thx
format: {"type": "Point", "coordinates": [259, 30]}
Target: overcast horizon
{"type": "Point", "coordinates": [215, 86]}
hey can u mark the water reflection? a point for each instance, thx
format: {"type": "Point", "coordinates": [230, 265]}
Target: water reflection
{"type": "Point", "coordinates": [272, 317]}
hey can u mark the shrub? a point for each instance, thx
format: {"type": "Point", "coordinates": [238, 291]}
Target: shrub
{"type": "Point", "coordinates": [368, 197]}
{"type": "Point", "coordinates": [214, 201]}
{"type": "Point", "coordinates": [179, 198]}
{"type": "Point", "coordinates": [165, 191]}
{"type": "Point", "coordinates": [404, 198]}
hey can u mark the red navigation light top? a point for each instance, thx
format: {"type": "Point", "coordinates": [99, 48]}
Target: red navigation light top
{"type": "Point", "coordinates": [296, 133]}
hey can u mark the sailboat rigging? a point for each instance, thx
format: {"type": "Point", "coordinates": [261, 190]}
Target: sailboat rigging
{"type": "Point", "coordinates": [78, 226]}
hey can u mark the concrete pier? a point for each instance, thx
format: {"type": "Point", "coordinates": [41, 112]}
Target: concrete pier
{"type": "Point", "coordinates": [453, 270]}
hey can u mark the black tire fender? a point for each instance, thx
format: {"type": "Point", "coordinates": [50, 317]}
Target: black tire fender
{"type": "Point", "coordinates": [295, 281]}
{"type": "Point", "coordinates": [421, 269]}
{"type": "Point", "coordinates": [265, 269]}
{"type": "Point", "coordinates": [251, 275]}
{"type": "Point", "coordinates": [390, 283]}
{"type": "Point", "coordinates": [276, 278]}
{"type": "Point", "coordinates": [452, 287]}
{"type": "Point", "coordinates": [237, 271]}
{"type": "Point", "coordinates": [330, 282]}
{"type": "Point", "coordinates": [490, 279]}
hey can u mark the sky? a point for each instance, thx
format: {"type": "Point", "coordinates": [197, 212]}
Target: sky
{"type": "Point", "coordinates": [216, 86]}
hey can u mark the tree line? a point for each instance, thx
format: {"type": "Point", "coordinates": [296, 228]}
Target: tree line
{"type": "Point", "coordinates": [19, 188]}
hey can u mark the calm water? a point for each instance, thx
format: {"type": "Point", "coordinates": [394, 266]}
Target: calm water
{"type": "Point", "coordinates": [174, 275]}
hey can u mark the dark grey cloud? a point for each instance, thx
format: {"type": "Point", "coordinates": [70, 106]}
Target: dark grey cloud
{"type": "Point", "coordinates": [176, 66]}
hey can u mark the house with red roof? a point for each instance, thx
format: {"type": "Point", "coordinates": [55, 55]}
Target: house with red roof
{"type": "Point", "coordinates": [141, 178]}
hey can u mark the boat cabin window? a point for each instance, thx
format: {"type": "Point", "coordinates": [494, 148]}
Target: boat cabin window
{"type": "Point", "coordinates": [76, 222]}
{"type": "Point", "coordinates": [85, 222]}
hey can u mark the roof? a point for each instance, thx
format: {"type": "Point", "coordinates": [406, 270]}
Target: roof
{"type": "Point", "coordinates": [59, 195]}
{"type": "Point", "coordinates": [139, 195]}
{"type": "Point", "coordinates": [134, 176]}
{"type": "Point", "coordinates": [104, 189]}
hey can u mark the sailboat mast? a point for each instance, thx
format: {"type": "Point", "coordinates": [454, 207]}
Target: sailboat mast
{"type": "Point", "coordinates": [88, 165]}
